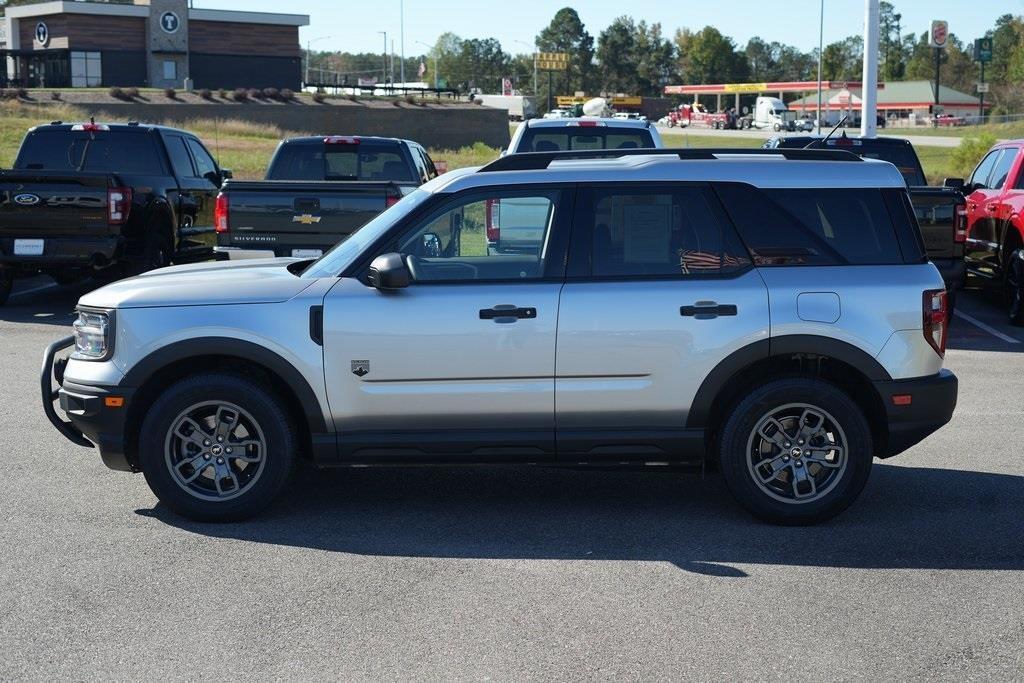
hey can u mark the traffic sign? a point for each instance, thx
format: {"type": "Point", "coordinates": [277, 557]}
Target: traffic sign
{"type": "Point", "coordinates": [939, 33]}
{"type": "Point", "coordinates": [982, 87]}
{"type": "Point", "coordinates": [983, 50]}
{"type": "Point", "coordinates": [552, 61]}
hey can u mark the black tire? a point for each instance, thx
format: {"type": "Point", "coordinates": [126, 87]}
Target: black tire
{"type": "Point", "coordinates": [67, 277]}
{"type": "Point", "coordinates": [6, 282]}
{"type": "Point", "coordinates": [950, 300]}
{"type": "Point", "coordinates": [156, 252]}
{"type": "Point", "coordinates": [156, 448]}
{"type": "Point", "coordinates": [736, 451]}
{"type": "Point", "coordinates": [1013, 287]}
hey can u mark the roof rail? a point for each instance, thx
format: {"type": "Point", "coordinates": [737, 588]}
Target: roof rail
{"type": "Point", "coordinates": [536, 161]}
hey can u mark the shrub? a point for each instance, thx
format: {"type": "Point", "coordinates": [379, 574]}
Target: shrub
{"type": "Point", "coordinates": [287, 94]}
{"type": "Point", "coordinates": [223, 94]}
{"type": "Point", "coordinates": [353, 98]}
{"type": "Point", "coordinates": [170, 93]}
{"type": "Point", "coordinates": [22, 93]}
{"type": "Point", "coordinates": [969, 153]}
{"type": "Point", "coordinates": [55, 95]}
{"type": "Point", "coordinates": [131, 93]}
{"type": "Point", "coordinates": [271, 93]}
{"type": "Point", "coordinates": [255, 94]}
{"type": "Point", "coordinates": [206, 94]}
{"type": "Point", "coordinates": [116, 93]}
{"type": "Point", "coordinates": [319, 97]}
{"type": "Point", "coordinates": [241, 94]}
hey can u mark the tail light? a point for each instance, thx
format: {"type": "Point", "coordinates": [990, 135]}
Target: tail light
{"type": "Point", "coordinates": [960, 225]}
{"type": "Point", "coordinates": [220, 213]}
{"type": "Point", "coordinates": [935, 305]}
{"type": "Point", "coordinates": [341, 140]}
{"type": "Point", "coordinates": [119, 205]}
{"type": "Point", "coordinates": [391, 200]}
{"type": "Point", "coordinates": [492, 211]}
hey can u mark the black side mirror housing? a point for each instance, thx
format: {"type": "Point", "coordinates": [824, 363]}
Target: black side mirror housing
{"type": "Point", "coordinates": [388, 272]}
{"type": "Point", "coordinates": [958, 183]}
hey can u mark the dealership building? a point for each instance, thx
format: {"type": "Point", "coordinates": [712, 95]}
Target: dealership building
{"type": "Point", "coordinates": [149, 43]}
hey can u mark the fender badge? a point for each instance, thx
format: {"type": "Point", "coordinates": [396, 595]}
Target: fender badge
{"type": "Point", "coordinates": [360, 368]}
{"type": "Point", "coordinates": [306, 219]}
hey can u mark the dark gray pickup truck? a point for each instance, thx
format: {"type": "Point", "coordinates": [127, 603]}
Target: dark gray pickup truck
{"type": "Point", "coordinates": [317, 192]}
{"type": "Point", "coordinates": [941, 211]}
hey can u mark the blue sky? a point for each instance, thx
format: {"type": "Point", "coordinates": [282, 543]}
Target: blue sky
{"type": "Point", "coordinates": [353, 26]}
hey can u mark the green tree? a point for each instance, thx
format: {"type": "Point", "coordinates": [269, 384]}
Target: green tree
{"type": "Point", "coordinates": [617, 56]}
{"type": "Point", "coordinates": [892, 52]}
{"type": "Point", "coordinates": [843, 60]}
{"type": "Point", "coordinates": [655, 60]}
{"type": "Point", "coordinates": [566, 33]}
{"type": "Point", "coordinates": [706, 56]}
{"type": "Point", "coordinates": [958, 68]}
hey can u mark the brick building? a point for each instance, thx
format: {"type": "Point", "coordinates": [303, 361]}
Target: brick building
{"type": "Point", "coordinates": [155, 43]}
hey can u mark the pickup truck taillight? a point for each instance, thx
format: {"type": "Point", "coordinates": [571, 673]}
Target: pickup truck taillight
{"type": "Point", "coordinates": [935, 303]}
{"type": "Point", "coordinates": [220, 213]}
{"type": "Point", "coordinates": [492, 213]}
{"type": "Point", "coordinates": [960, 225]}
{"type": "Point", "coordinates": [119, 204]}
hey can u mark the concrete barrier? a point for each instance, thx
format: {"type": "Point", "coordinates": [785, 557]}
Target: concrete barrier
{"type": "Point", "coordinates": [435, 126]}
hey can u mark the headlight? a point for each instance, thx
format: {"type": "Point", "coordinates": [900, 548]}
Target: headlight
{"type": "Point", "coordinates": [94, 334]}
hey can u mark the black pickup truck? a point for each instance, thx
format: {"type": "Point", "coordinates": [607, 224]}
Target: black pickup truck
{"type": "Point", "coordinates": [941, 211]}
{"type": "Point", "coordinates": [96, 199]}
{"type": "Point", "coordinates": [318, 191]}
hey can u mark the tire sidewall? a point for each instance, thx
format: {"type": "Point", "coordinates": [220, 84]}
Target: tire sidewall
{"type": "Point", "coordinates": [744, 417]}
{"type": "Point", "coordinates": [243, 392]}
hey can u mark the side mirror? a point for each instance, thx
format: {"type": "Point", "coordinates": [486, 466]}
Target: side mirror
{"type": "Point", "coordinates": [226, 174]}
{"type": "Point", "coordinates": [389, 271]}
{"type": "Point", "coordinates": [958, 183]}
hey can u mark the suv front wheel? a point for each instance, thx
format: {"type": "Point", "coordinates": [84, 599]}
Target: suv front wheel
{"type": "Point", "coordinates": [217, 447]}
{"type": "Point", "coordinates": [796, 451]}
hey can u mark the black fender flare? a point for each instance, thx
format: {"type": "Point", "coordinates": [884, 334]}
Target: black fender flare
{"type": "Point", "coordinates": [778, 347]}
{"type": "Point", "coordinates": [247, 351]}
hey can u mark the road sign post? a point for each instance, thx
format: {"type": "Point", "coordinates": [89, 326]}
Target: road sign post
{"type": "Point", "coordinates": [982, 55]}
{"type": "Point", "coordinates": [552, 62]}
{"type": "Point", "coordinates": [939, 35]}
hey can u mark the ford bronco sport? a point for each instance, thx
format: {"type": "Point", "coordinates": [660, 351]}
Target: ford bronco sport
{"type": "Point", "coordinates": [773, 311]}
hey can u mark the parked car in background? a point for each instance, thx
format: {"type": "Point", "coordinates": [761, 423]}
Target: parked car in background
{"type": "Point", "coordinates": [105, 199]}
{"type": "Point", "coordinates": [995, 224]}
{"type": "Point", "coordinates": [686, 332]}
{"type": "Point", "coordinates": [511, 223]}
{"type": "Point", "coordinates": [941, 211]}
{"type": "Point", "coordinates": [557, 114]}
{"type": "Point", "coordinates": [318, 191]}
{"type": "Point", "coordinates": [949, 120]}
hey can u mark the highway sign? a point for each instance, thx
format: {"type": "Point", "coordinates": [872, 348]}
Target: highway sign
{"type": "Point", "coordinates": [983, 50]}
{"type": "Point", "coordinates": [939, 33]}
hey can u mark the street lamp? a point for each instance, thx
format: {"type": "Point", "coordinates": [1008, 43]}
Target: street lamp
{"type": "Point", "coordinates": [384, 66]}
{"type": "Point", "coordinates": [534, 63]}
{"type": "Point", "coordinates": [435, 60]}
{"type": "Point", "coordinates": [309, 53]}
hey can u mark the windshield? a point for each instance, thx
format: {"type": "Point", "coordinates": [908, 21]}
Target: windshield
{"type": "Point", "coordinates": [344, 253]}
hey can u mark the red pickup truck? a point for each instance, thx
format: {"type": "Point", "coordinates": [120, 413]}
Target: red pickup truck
{"type": "Point", "coordinates": [995, 223]}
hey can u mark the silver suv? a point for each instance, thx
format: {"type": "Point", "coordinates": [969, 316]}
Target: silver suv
{"type": "Point", "coordinates": [770, 311]}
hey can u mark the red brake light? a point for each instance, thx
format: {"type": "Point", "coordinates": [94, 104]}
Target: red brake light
{"type": "Point", "coordinates": [492, 216]}
{"type": "Point", "coordinates": [341, 140]}
{"type": "Point", "coordinates": [935, 305]}
{"type": "Point", "coordinates": [220, 213]}
{"type": "Point", "coordinates": [960, 225]}
{"type": "Point", "coordinates": [586, 124]}
{"type": "Point", "coordinates": [91, 127]}
{"type": "Point", "coordinates": [119, 205]}
{"type": "Point", "coordinates": [391, 200]}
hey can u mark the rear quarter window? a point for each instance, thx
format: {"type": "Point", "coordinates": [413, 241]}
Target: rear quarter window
{"type": "Point", "coordinates": [115, 151]}
{"type": "Point", "coordinates": [790, 227]}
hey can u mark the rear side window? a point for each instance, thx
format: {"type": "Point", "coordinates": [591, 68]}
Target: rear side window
{"type": "Point", "coordinates": [204, 162]}
{"type": "Point", "coordinates": [658, 232]}
{"type": "Point", "coordinates": [577, 138]}
{"type": "Point", "coordinates": [180, 160]}
{"type": "Point", "coordinates": [117, 151]}
{"type": "Point", "coordinates": [340, 162]}
{"type": "Point", "coordinates": [813, 226]}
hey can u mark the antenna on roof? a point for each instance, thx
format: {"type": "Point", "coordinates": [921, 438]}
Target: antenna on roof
{"type": "Point", "coordinates": [818, 141]}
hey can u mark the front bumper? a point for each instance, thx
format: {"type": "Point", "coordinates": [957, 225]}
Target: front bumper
{"type": "Point", "coordinates": [64, 252]}
{"type": "Point", "coordinates": [93, 420]}
{"type": "Point", "coordinates": [933, 400]}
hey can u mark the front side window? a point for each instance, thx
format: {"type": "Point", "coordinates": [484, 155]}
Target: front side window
{"type": "Point", "coordinates": [980, 176]}
{"type": "Point", "coordinates": [1001, 170]}
{"type": "Point", "coordinates": [204, 162]}
{"type": "Point", "coordinates": [495, 237]}
{"type": "Point", "coordinates": [672, 232]}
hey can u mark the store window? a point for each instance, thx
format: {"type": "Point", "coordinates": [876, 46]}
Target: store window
{"type": "Point", "coordinates": [170, 70]}
{"type": "Point", "coordinates": [86, 70]}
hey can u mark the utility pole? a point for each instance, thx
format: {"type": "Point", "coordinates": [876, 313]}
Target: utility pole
{"type": "Point", "coordinates": [384, 64]}
{"type": "Point", "coordinates": [869, 81]}
{"type": "Point", "coordinates": [401, 35]}
{"type": "Point", "coordinates": [981, 96]}
{"type": "Point", "coordinates": [821, 42]}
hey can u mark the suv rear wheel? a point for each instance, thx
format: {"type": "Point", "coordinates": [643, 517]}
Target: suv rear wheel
{"type": "Point", "coordinates": [796, 451]}
{"type": "Point", "coordinates": [217, 447]}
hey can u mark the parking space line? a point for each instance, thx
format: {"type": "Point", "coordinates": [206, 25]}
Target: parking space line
{"type": "Point", "coordinates": [988, 328]}
{"type": "Point", "coordinates": [33, 290]}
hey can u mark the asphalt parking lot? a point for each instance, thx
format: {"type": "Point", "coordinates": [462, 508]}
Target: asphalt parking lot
{"type": "Point", "coordinates": [513, 573]}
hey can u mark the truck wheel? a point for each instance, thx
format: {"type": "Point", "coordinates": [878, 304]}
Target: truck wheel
{"type": "Point", "coordinates": [776, 128]}
{"type": "Point", "coordinates": [156, 252]}
{"type": "Point", "coordinates": [1014, 287]}
{"type": "Point", "coordinates": [217, 447]}
{"type": "Point", "coordinates": [796, 451]}
{"type": "Point", "coordinates": [6, 282]}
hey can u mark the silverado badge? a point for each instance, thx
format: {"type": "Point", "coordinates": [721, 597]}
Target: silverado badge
{"type": "Point", "coordinates": [360, 368]}
{"type": "Point", "coordinates": [306, 219]}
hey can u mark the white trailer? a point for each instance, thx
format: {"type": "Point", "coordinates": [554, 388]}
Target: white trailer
{"type": "Point", "coordinates": [519, 107]}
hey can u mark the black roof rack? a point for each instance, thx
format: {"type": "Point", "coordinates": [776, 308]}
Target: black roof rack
{"type": "Point", "coordinates": [536, 161]}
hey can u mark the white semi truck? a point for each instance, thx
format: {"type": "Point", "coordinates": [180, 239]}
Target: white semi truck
{"type": "Point", "coordinates": [771, 113]}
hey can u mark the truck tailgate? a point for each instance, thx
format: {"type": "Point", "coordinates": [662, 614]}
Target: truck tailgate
{"type": "Point", "coordinates": [53, 203]}
{"type": "Point", "coordinates": [936, 209]}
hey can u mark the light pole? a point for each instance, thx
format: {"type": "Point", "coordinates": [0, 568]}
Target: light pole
{"type": "Point", "coordinates": [384, 66]}
{"type": "Point", "coordinates": [309, 53]}
{"type": "Point", "coordinates": [821, 42]}
{"type": "Point", "coordinates": [435, 59]}
{"type": "Point", "coordinates": [534, 63]}
{"type": "Point", "coordinates": [401, 35]}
